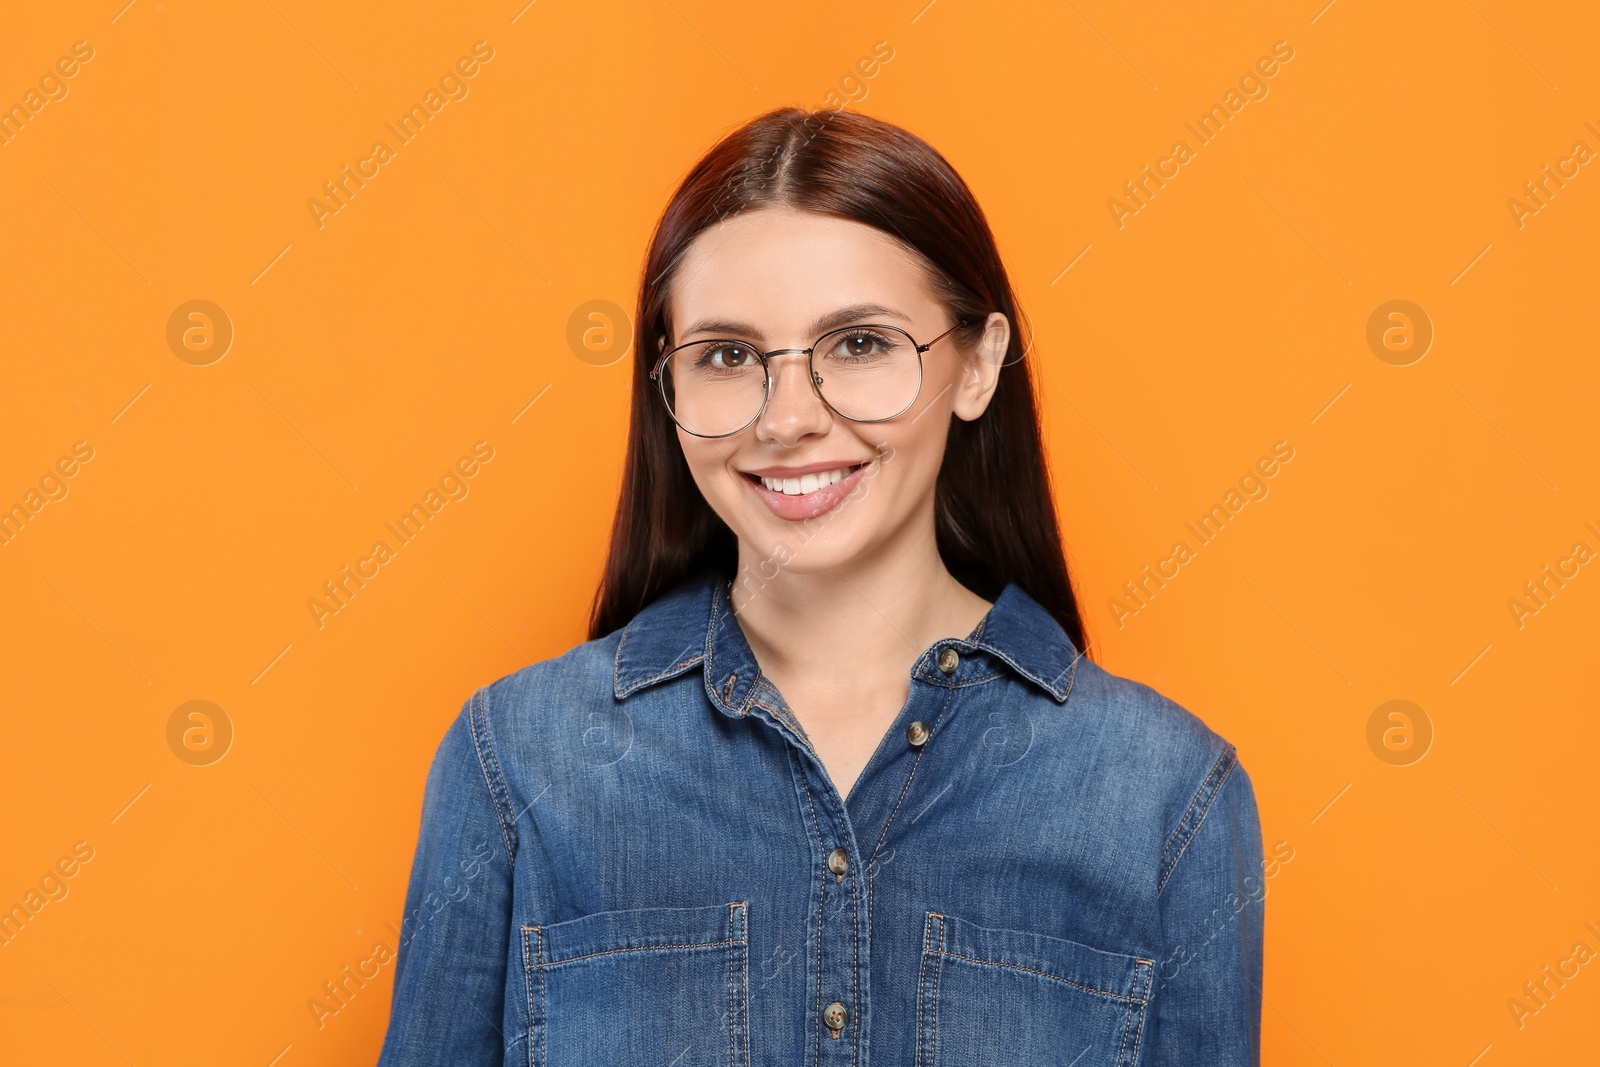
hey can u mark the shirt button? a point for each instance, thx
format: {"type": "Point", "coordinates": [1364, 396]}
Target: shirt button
{"type": "Point", "coordinates": [948, 660]}
{"type": "Point", "coordinates": [838, 861]}
{"type": "Point", "coordinates": [917, 734]}
{"type": "Point", "coordinates": [835, 1016]}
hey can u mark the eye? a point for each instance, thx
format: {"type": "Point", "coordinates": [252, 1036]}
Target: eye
{"type": "Point", "coordinates": [725, 355]}
{"type": "Point", "coordinates": [861, 345]}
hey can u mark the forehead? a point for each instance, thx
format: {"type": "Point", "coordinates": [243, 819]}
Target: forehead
{"type": "Point", "coordinates": [782, 270]}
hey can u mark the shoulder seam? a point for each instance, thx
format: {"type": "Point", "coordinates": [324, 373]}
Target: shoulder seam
{"type": "Point", "coordinates": [1199, 805]}
{"type": "Point", "coordinates": [477, 721]}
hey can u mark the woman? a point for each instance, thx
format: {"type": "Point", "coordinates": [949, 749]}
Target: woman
{"type": "Point", "coordinates": [832, 781]}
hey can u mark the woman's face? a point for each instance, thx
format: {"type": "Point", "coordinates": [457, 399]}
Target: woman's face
{"type": "Point", "coordinates": [780, 278]}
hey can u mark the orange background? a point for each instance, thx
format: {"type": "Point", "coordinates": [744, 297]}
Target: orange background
{"type": "Point", "coordinates": [369, 354]}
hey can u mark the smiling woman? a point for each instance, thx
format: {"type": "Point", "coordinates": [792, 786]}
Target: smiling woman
{"type": "Point", "coordinates": [712, 784]}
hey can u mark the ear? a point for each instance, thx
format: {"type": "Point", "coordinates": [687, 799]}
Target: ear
{"type": "Point", "coordinates": [980, 371]}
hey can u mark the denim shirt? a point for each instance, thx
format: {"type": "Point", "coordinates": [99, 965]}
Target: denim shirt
{"type": "Point", "coordinates": [630, 856]}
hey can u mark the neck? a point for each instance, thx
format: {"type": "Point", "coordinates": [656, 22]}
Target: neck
{"type": "Point", "coordinates": [873, 617]}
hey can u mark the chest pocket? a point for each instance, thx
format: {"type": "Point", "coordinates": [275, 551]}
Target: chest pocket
{"type": "Point", "coordinates": [644, 986]}
{"type": "Point", "coordinates": [990, 997]}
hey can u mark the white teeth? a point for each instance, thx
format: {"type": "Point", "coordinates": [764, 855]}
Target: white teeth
{"type": "Point", "coordinates": [806, 483]}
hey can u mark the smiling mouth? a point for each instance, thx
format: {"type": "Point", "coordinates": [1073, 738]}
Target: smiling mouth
{"type": "Point", "coordinates": [805, 483]}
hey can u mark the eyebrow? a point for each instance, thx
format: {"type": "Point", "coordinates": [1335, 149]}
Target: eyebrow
{"type": "Point", "coordinates": [842, 317]}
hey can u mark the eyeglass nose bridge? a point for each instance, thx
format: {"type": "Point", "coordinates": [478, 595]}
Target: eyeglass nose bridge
{"type": "Point", "coordinates": [816, 379]}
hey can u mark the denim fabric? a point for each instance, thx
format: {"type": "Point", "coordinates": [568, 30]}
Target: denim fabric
{"type": "Point", "coordinates": [624, 859]}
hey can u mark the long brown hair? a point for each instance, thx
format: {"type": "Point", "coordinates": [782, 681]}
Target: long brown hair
{"type": "Point", "coordinates": [995, 518]}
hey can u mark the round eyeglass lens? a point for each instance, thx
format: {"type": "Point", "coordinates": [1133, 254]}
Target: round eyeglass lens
{"type": "Point", "coordinates": [714, 387]}
{"type": "Point", "coordinates": [868, 372]}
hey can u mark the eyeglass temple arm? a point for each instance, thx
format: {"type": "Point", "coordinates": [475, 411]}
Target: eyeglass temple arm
{"type": "Point", "coordinates": [959, 323]}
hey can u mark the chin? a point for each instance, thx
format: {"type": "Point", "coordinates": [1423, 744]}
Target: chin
{"type": "Point", "coordinates": [797, 548]}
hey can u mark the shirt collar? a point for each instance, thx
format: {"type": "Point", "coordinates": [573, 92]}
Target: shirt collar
{"type": "Point", "coordinates": [693, 624]}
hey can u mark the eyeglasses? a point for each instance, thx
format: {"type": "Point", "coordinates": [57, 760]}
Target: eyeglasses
{"type": "Point", "coordinates": [718, 387]}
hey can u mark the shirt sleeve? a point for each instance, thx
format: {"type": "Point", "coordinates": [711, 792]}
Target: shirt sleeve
{"type": "Point", "coordinates": [1207, 1002]}
{"type": "Point", "coordinates": [450, 975]}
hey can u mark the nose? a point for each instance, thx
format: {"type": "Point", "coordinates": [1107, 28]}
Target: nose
{"type": "Point", "coordinates": [794, 409]}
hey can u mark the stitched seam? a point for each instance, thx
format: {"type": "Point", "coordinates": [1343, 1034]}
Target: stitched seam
{"type": "Point", "coordinates": [750, 700]}
{"type": "Point", "coordinates": [855, 972]}
{"type": "Point", "coordinates": [1019, 668]}
{"type": "Point", "coordinates": [1138, 1033]}
{"type": "Point", "coordinates": [1072, 672]}
{"type": "Point", "coordinates": [640, 683]}
{"type": "Point", "coordinates": [1183, 821]}
{"type": "Point", "coordinates": [905, 789]}
{"type": "Point", "coordinates": [1208, 790]}
{"type": "Point", "coordinates": [616, 658]}
{"type": "Point", "coordinates": [816, 837]}
{"type": "Point", "coordinates": [938, 972]}
{"type": "Point", "coordinates": [755, 683]}
{"type": "Point", "coordinates": [1124, 1056]}
{"type": "Point", "coordinates": [642, 948]}
{"type": "Point", "coordinates": [778, 713]}
{"type": "Point", "coordinates": [1195, 799]}
{"type": "Point", "coordinates": [763, 705]}
{"type": "Point", "coordinates": [822, 905]}
{"type": "Point", "coordinates": [707, 650]}
{"type": "Point", "coordinates": [840, 816]}
{"type": "Point", "coordinates": [1203, 796]}
{"type": "Point", "coordinates": [534, 1047]}
{"type": "Point", "coordinates": [616, 667]}
{"type": "Point", "coordinates": [680, 665]}
{"type": "Point", "coordinates": [544, 1008]}
{"type": "Point", "coordinates": [976, 637]}
{"type": "Point", "coordinates": [1127, 1024]}
{"type": "Point", "coordinates": [711, 631]}
{"type": "Point", "coordinates": [476, 714]}
{"type": "Point", "coordinates": [939, 678]}
{"type": "Point", "coordinates": [1042, 974]}
{"type": "Point", "coordinates": [922, 977]}
{"type": "Point", "coordinates": [527, 981]}
{"type": "Point", "coordinates": [1072, 669]}
{"type": "Point", "coordinates": [975, 642]}
{"type": "Point", "coordinates": [744, 1006]}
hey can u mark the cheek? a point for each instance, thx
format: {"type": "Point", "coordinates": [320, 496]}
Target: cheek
{"type": "Point", "coordinates": [708, 468]}
{"type": "Point", "coordinates": [914, 471]}
{"type": "Point", "coordinates": [936, 402]}
{"type": "Point", "coordinates": [908, 466]}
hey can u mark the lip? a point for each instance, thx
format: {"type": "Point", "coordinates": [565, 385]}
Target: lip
{"type": "Point", "coordinates": [809, 468]}
{"type": "Point", "coordinates": [811, 505]}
